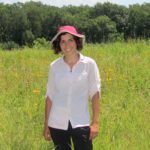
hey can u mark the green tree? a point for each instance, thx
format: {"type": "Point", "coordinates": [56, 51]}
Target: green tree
{"type": "Point", "coordinates": [101, 29]}
{"type": "Point", "coordinates": [139, 21]}
{"type": "Point", "coordinates": [51, 22]}
{"type": "Point", "coordinates": [28, 38]}
{"type": "Point", "coordinates": [35, 15]}
{"type": "Point", "coordinates": [117, 13]}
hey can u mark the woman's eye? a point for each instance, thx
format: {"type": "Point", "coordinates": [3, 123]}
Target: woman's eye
{"type": "Point", "coordinates": [70, 40]}
{"type": "Point", "coordinates": [62, 42]}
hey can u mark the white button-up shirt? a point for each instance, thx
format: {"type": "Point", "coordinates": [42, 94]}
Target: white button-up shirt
{"type": "Point", "coordinates": [70, 90]}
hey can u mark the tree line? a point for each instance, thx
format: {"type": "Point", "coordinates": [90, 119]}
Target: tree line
{"type": "Point", "coordinates": [24, 23]}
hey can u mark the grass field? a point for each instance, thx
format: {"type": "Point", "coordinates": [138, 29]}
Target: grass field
{"type": "Point", "coordinates": [125, 105]}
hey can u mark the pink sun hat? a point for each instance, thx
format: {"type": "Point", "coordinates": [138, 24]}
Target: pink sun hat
{"type": "Point", "coordinates": [69, 29]}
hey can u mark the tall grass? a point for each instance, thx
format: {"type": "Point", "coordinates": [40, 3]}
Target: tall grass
{"type": "Point", "coordinates": [125, 103]}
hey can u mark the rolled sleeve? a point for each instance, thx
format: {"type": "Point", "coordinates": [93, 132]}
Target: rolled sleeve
{"type": "Point", "coordinates": [50, 84]}
{"type": "Point", "coordinates": [94, 80]}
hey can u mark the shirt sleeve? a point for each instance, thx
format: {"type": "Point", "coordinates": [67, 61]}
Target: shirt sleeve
{"type": "Point", "coordinates": [94, 79]}
{"type": "Point", "coordinates": [50, 84]}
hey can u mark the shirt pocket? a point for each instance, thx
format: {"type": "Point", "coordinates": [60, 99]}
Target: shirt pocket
{"type": "Point", "coordinates": [81, 80]}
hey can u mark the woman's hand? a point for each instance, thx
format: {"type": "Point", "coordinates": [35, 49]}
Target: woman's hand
{"type": "Point", "coordinates": [46, 133]}
{"type": "Point", "coordinates": [94, 130]}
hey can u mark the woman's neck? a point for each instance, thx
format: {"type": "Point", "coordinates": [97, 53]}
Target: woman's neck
{"type": "Point", "coordinates": [71, 59]}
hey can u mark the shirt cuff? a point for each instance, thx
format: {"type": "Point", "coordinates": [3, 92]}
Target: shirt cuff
{"type": "Point", "coordinates": [93, 91]}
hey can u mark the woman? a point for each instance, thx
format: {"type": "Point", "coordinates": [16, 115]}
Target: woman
{"type": "Point", "coordinates": [72, 79]}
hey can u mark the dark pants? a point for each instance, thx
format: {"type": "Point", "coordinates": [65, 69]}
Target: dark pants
{"type": "Point", "coordinates": [79, 136]}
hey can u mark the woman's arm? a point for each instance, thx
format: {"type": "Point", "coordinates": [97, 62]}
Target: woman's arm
{"type": "Point", "coordinates": [48, 104]}
{"type": "Point", "coordinates": [94, 128]}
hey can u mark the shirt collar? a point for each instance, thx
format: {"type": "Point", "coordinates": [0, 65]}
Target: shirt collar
{"type": "Point", "coordinates": [81, 59]}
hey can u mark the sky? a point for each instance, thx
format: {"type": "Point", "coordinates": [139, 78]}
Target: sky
{"type": "Point", "coordinates": [60, 3]}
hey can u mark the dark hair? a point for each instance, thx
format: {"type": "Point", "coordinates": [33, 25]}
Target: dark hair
{"type": "Point", "coordinates": [56, 43]}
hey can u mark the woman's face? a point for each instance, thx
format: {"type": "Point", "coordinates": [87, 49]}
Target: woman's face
{"type": "Point", "coordinates": [67, 43]}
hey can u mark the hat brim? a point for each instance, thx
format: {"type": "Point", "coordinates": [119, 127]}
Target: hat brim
{"type": "Point", "coordinates": [77, 35]}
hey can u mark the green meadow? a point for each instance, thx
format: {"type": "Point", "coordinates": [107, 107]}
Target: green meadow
{"type": "Point", "coordinates": [125, 104]}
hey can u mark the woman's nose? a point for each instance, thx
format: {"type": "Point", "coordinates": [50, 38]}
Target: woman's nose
{"type": "Point", "coordinates": [67, 43]}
